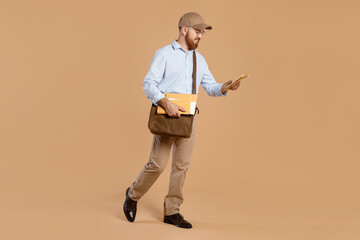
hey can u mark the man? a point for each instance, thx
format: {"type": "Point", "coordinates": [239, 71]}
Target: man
{"type": "Point", "coordinates": [171, 72]}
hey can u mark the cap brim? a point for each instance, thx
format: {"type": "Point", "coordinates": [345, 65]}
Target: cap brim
{"type": "Point", "coordinates": [202, 26]}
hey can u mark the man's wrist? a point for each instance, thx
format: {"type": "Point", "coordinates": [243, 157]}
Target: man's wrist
{"type": "Point", "coordinates": [223, 88]}
{"type": "Point", "coordinates": [164, 102]}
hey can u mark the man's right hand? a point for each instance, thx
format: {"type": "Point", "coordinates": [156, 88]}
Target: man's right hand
{"type": "Point", "coordinates": [172, 109]}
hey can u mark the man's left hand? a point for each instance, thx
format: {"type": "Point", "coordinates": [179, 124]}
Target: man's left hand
{"type": "Point", "coordinates": [234, 87]}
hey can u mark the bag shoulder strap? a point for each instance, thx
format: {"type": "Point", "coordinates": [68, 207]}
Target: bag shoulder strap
{"type": "Point", "coordinates": [194, 73]}
{"type": "Point", "coordinates": [194, 79]}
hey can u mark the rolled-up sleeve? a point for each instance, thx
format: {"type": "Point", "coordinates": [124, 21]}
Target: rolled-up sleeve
{"type": "Point", "coordinates": [209, 83]}
{"type": "Point", "coordinates": [154, 76]}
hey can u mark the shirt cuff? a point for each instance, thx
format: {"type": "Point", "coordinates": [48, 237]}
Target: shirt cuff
{"type": "Point", "coordinates": [157, 98]}
{"type": "Point", "coordinates": [219, 89]}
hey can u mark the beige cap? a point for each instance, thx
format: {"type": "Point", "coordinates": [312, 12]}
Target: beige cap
{"type": "Point", "coordinates": [193, 19]}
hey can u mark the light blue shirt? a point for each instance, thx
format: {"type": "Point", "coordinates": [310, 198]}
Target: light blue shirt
{"type": "Point", "coordinates": [171, 72]}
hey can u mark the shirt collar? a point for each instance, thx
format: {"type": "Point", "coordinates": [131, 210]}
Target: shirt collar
{"type": "Point", "coordinates": [176, 45]}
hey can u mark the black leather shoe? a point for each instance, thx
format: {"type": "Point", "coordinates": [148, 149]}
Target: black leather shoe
{"type": "Point", "coordinates": [177, 220]}
{"type": "Point", "coordinates": [129, 207]}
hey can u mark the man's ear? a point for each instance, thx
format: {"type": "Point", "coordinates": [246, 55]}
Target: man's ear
{"type": "Point", "coordinates": [184, 30]}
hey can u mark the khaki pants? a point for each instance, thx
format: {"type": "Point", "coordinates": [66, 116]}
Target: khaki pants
{"type": "Point", "coordinates": [161, 147]}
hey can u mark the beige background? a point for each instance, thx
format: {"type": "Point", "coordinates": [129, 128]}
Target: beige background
{"type": "Point", "coordinates": [277, 159]}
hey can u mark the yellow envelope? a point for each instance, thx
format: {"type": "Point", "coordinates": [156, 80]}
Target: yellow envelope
{"type": "Point", "coordinates": [187, 101]}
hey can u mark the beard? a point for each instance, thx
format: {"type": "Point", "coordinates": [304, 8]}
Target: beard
{"type": "Point", "coordinates": [191, 42]}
